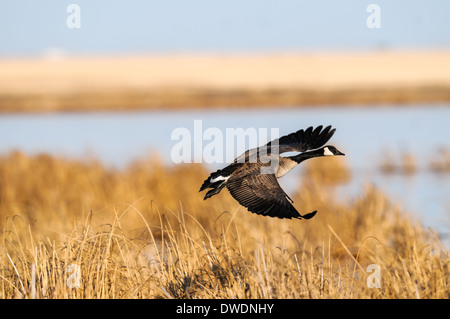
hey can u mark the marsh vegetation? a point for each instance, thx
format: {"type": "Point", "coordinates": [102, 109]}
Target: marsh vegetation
{"type": "Point", "coordinates": [144, 231]}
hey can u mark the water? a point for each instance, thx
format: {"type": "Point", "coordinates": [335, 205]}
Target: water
{"type": "Point", "coordinates": [363, 134]}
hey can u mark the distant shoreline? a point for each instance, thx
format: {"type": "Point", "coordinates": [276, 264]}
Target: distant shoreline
{"type": "Point", "coordinates": [233, 99]}
{"type": "Point", "coordinates": [197, 82]}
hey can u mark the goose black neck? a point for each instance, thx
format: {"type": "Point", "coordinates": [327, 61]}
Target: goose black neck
{"type": "Point", "coordinates": [306, 155]}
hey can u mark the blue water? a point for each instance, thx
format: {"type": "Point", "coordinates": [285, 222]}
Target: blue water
{"type": "Point", "coordinates": [363, 134]}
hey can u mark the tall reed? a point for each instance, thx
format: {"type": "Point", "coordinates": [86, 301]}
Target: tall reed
{"type": "Point", "coordinates": [76, 229]}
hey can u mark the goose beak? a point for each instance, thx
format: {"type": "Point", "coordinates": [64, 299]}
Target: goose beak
{"type": "Point", "coordinates": [339, 153]}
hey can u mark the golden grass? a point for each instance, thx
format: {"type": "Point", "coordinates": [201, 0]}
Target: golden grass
{"type": "Point", "coordinates": [441, 162]}
{"type": "Point", "coordinates": [405, 165]}
{"type": "Point", "coordinates": [145, 232]}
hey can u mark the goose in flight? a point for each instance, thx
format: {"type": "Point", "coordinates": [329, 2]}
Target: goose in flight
{"type": "Point", "coordinates": [252, 177]}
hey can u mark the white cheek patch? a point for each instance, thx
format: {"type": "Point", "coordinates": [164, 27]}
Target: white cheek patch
{"type": "Point", "coordinates": [219, 178]}
{"type": "Point", "coordinates": [327, 152]}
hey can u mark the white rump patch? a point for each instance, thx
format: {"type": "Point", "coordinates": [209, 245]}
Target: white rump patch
{"type": "Point", "coordinates": [327, 152]}
{"type": "Point", "coordinates": [219, 178]}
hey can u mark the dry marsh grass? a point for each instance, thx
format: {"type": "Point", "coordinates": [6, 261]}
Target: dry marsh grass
{"type": "Point", "coordinates": [145, 232]}
{"type": "Point", "coordinates": [406, 163]}
{"type": "Point", "coordinates": [441, 162]}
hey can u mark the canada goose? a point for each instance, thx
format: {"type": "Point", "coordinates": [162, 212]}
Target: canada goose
{"type": "Point", "coordinates": [260, 191]}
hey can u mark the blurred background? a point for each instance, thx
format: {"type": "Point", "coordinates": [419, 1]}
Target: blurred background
{"type": "Point", "coordinates": [113, 79]}
{"type": "Point", "coordinates": [30, 28]}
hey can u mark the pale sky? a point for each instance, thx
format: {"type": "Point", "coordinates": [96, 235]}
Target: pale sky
{"type": "Point", "coordinates": [30, 27]}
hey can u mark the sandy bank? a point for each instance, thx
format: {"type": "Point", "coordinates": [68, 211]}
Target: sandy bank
{"type": "Point", "coordinates": [183, 81]}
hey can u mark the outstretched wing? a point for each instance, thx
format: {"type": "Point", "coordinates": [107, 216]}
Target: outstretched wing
{"type": "Point", "coordinates": [303, 140]}
{"type": "Point", "coordinates": [261, 194]}
{"type": "Point", "coordinates": [300, 141]}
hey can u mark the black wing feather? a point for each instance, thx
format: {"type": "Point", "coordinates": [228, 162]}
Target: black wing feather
{"type": "Point", "coordinates": [261, 194]}
{"type": "Point", "coordinates": [303, 140]}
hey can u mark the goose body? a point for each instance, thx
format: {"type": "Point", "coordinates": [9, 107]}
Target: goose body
{"type": "Point", "coordinates": [252, 177]}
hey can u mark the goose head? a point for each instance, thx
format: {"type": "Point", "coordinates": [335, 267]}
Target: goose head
{"type": "Point", "coordinates": [330, 150]}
